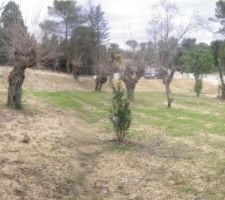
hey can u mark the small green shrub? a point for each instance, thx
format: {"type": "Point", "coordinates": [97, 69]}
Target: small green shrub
{"type": "Point", "coordinates": [120, 113]}
{"type": "Point", "coordinates": [198, 87]}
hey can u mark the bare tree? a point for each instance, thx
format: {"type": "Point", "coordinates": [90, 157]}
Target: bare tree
{"type": "Point", "coordinates": [76, 65]}
{"type": "Point", "coordinates": [100, 77]}
{"type": "Point", "coordinates": [166, 35]}
{"type": "Point", "coordinates": [48, 52]}
{"type": "Point", "coordinates": [132, 70]}
{"type": "Point", "coordinates": [133, 67]}
{"type": "Point", "coordinates": [23, 52]}
{"type": "Point", "coordinates": [101, 67]}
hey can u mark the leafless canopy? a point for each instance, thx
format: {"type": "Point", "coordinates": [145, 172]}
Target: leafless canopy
{"type": "Point", "coordinates": [21, 46]}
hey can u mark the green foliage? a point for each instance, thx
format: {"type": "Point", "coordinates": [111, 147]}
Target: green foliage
{"type": "Point", "coordinates": [221, 54]}
{"type": "Point", "coordinates": [220, 15]}
{"type": "Point", "coordinates": [66, 17]}
{"type": "Point", "coordinates": [188, 43]}
{"type": "Point", "coordinates": [198, 87]}
{"type": "Point", "coordinates": [3, 50]}
{"type": "Point", "coordinates": [199, 59]}
{"type": "Point", "coordinates": [83, 41]}
{"type": "Point", "coordinates": [115, 57]}
{"type": "Point", "coordinates": [216, 49]}
{"type": "Point", "coordinates": [120, 113]}
{"type": "Point", "coordinates": [49, 27]}
{"type": "Point", "coordinates": [11, 15]}
{"type": "Point", "coordinates": [97, 21]}
{"type": "Point", "coordinates": [67, 14]}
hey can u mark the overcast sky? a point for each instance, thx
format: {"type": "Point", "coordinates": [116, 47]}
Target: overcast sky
{"type": "Point", "coordinates": [128, 19]}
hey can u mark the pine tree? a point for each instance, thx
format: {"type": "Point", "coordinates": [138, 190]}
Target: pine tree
{"type": "Point", "coordinates": [12, 15]}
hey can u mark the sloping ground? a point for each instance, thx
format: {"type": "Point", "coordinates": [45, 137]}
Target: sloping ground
{"type": "Point", "coordinates": [47, 80]}
{"type": "Point", "coordinates": [178, 86]}
{"type": "Point", "coordinates": [60, 146]}
{"type": "Point", "coordinates": [43, 80]}
{"type": "Point", "coordinates": [46, 153]}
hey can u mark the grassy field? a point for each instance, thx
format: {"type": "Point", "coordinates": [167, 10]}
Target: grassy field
{"type": "Point", "coordinates": [173, 154]}
{"type": "Point", "coordinates": [189, 116]}
{"type": "Point", "coordinates": [179, 151]}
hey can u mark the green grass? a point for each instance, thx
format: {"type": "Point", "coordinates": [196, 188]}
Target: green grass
{"type": "Point", "coordinates": [193, 161]}
{"type": "Point", "coordinates": [90, 106]}
{"type": "Point", "coordinates": [189, 115]}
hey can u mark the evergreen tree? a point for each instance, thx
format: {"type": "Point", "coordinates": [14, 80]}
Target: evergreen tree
{"type": "Point", "coordinates": [200, 60]}
{"type": "Point", "coordinates": [220, 15]}
{"type": "Point", "coordinates": [11, 15]}
{"type": "Point", "coordinates": [67, 17]}
{"type": "Point", "coordinates": [97, 21]}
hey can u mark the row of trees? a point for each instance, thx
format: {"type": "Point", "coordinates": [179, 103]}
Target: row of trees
{"type": "Point", "coordinates": [71, 37]}
{"type": "Point", "coordinates": [75, 41]}
{"type": "Point", "coordinates": [170, 51]}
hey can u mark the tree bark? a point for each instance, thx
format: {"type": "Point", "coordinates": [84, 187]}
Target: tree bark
{"type": "Point", "coordinates": [68, 65]}
{"type": "Point", "coordinates": [169, 99]}
{"type": "Point", "coordinates": [130, 94]}
{"type": "Point", "coordinates": [222, 96]}
{"type": "Point", "coordinates": [16, 79]}
{"type": "Point", "coordinates": [75, 71]}
{"type": "Point", "coordinates": [198, 84]}
{"type": "Point", "coordinates": [130, 87]}
{"type": "Point", "coordinates": [168, 77]}
{"type": "Point", "coordinates": [100, 80]}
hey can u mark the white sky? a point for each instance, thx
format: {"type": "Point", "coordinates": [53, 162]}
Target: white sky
{"type": "Point", "coordinates": [128, 19]}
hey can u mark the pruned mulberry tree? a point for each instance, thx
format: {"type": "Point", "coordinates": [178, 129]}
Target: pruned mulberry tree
{"type": "Point", "coordinates": [23, 52]}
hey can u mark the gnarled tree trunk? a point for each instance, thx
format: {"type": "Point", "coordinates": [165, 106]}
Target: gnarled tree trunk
{"type": "Point", "coordinates": [169, 99]}
{"type": "Point", "coordinates": [99, 81]}
{"type": "Point", "coordinates": [75, 71]}
{"type": "Point", "coordinates": [130, 87]}
{"type": "Point", "coordinates": [222, 87]}
{"type": "Point", "coordinates": [16, 79]}
{"type": "Point", "coordinates": [167, 79]}
{"type": "Point", "coordinates": [25, 56]}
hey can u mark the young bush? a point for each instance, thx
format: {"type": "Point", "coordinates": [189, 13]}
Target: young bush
{"type": "Point", "coordinates": [120, 113]}
{"type": "Point", "coordinates": [198, 87]}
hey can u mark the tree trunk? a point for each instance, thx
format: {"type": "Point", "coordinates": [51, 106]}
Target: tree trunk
{"type": "Point", "coordinates": [68, 65]}
{"type": "Point", "coordinates": [222, 96]}
{"type": "Point", "coordinates": [169, 99]}
{"type": "Point", "coordinates": [96, 85]}
{"type": "Point", "coordinates": [168, 74]}
{"type": "Point", "coordinates": [130, 86]}
{"type": "Point", "coordinates": [130, 94]}
{"type": "Point", "coordinates": [68, 70]}
{"type": "Point", "coordinates": [75, 72]}
{"type": "Point", "coordinates": [222, 93]}
{"type": "Point", "coordinates": [99, 81]}
{"type": "Point", "coordinates": [16, 79]}
{"type": "Point", "coordinates": [198, 84]}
